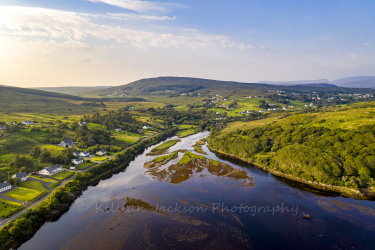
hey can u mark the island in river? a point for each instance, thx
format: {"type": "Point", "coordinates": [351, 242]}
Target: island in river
{"type": "Point", "coordinates": [205, 202]}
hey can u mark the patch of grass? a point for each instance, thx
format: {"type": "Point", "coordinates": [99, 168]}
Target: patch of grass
{"type": "Point", "coordinates": [186, 126]}
{"type": "Point", "coordinates": [8, 208]}
{"type": "Point", "coordinates": [24, 194]}
{"type": "Point", "coordinates": [84, 165]}
{"type": "Point", "coordinates": [187, 132]}
{"type": "Point", "coordinates": [215, 163]}
{"type": "Point", "coordinates": [98, 158]}
{"type": "Point", "coordinates": [165, 158]}
{"type": "Point", "coordinates": [54, 149]}
{"type": "Point", "coordinates": [63, 175]}
{"type": "Point", "coordinates": [53, 184]}
{"type": "Point", "coordinates": [165, 145]}
{"type": "Point", "coordinates": [184, 160]}
{"type": "Point", "coordinates": [195, 156]}
{"type": "Point", "coordinates": [199, 150]}
{"type": "Point", "coordinates": [35, 185]}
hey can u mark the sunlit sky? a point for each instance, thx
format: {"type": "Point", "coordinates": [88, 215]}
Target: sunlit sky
{"type": "Point", "coordinates": [113, 42]}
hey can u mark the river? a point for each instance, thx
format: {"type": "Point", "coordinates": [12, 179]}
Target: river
{"type": "Point", "coordinates": [165, 208]}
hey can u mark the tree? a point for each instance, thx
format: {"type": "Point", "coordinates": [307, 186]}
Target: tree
{"type": "Point", "coordinates": [35, 151]}
{"type": "Point", "coordinates": [45, 156]}
{"type": "Point", "coordinates": [20, 227]}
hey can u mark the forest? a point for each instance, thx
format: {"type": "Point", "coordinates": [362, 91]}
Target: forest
{"type": "Point", "coordinates": [335, 156]}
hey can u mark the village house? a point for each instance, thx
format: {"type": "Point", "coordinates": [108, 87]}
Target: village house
{"type": "Point", "coordinates": [72, 168]}
{"type": "Point", "coordinates": [2, 127]}
{"type": "Point", "coordinates": [27, 123]}
{"type": "Point", "coordinates": [66, 143]}
{"type": "Point", "coordinates": [4, 186]}
{"type": "Point", "coordinates": [50, 170]}
{"type": "Point", "coordinates": [22, 176]}
{"type": "Point", "coordinates": [81, 123]}
{"type": "Point", "coordinates": [118, 129]}
{"type": "Point", "coordinates": [77, 161]}
{"type": "Point", "coordinates": [101, 152]}
{"type": "Point", "coordinates": [140, 131]}
{"type": "Point", "coordinates": [146, 126]}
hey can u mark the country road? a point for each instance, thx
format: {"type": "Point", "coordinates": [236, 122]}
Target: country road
{"type": "Point", "coordinates": [3, 222]}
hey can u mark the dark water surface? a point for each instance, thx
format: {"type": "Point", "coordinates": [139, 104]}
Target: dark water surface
{"type": "Point", "coordinates": [141, 208]}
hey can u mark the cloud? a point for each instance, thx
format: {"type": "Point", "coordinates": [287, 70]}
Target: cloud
{"type": "Point", "coordinates": [127, 16]}
{"type": "Point", "coordinates": [139, 6]}
{"type": "Point", "coordinates": [62, 27]}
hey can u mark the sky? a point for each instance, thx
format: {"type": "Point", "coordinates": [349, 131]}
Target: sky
{"type": "Point", "coordinates": [49, 43]}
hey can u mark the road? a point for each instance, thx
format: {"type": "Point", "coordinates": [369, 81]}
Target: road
{"type": "Point", "coordinates": [3, 222]}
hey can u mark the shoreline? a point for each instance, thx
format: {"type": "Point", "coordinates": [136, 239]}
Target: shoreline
{"type": "Point", "coordinates": [65, 207]}
{"type": "Point", "coordinates": [347, 192]}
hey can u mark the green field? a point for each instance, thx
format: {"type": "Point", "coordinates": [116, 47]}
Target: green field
{"type": "Point", "coordinates": [24, 194]}
{"type": "Point", "coordinates": [63, 175]}
{"type": "Point", "coordinates": [165, 145]}
{"type": "Point", "coordinates": [84, 165]}
{"type": "Point", "coordinates": [128, 137]}
{"type": "Point", "coordinates": [35, 185]}
{"type": "Point", "coordinates": [8, 208]}
{"type": "Point", "coordinates": [99, 158]}
{"type": "Point", "coordinates": [187, 132]}
{"type": "Point", "coordinates": [53, 183]}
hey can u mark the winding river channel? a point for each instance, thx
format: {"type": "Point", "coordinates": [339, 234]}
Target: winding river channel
{"type": "Point", "coordinates": [199, 206]}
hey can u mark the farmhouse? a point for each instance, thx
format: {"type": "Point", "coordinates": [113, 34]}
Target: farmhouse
{"type": "Point", "coordinates": [66, 143]}
{"type": "Point", "coordinates": [101, 152]}
{"type": "Point", "coordinates": [76, 153]}
{"type": "Point", "coordinates": [5, 186]}
{"type": "Point", "coordinates": [77, 161]}
{"type": "Point", "coordinates": [22, 176]}
{"type": "Point", "coordinates": [27, 123]}
{"type": "Point", "coordinates": [2, 127]}
{"type": "Point", "coordinates": [118, 129]}
{"type": "Point", "coordinates": [81, 123]}
{"type": "Point", "coordinates": [50, 170]}
{"type": "Point", "coordinates": [146, 126]}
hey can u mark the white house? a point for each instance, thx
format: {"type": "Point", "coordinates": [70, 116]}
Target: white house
{"type": "Point", "coordinates": [5, 186]}
{"type": "Point", "coordinates": [72, 168]}
{"type": "Point", "coordinates": [81, 123]}
{"type": "Point", "coordinates": [66, 143]}
{"type": "Point", "coordinates": [27, 123]}
{"type": "Point", "coordinates": [140, 131]}
{"type": "Point", "coordinates": [22, 176]}
{"type": "Point", "coordinates": [50, 170]}
{"type": "Point", "coordinates": [76, 153]}
{"type": "Point", "coordinates": [77, 161]}
{"type": "Point", "coordinates": [146, 126]}
{"type": "Point", "coordinates": [2, 127]}
{"type": "Point", "coordinates": [118, 129]}
{"type": "Point", "coordinates": [84, 154]}
{"type": "Point", "coordinates": [101, 152]}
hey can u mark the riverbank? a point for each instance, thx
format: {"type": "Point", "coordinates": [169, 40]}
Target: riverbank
{"type": "Point", "coordinates": [22, 228]}
{"type": "Point", "coordinates": [362, 194]}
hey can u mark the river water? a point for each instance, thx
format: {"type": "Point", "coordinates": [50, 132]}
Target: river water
{"type": "Point", "coordinates": [164, 208]}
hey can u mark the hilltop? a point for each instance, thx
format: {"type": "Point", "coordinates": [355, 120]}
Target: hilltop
{"type": "Point", "coordinates": [175, 86]}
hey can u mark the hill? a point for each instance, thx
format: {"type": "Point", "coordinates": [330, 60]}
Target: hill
{"type": "Point", "coordinates": [348, 82]}
{"type": "Point", "coordinates": [333, 146]}
{"type": "Point", "coordinates": [175, 86]}
{"type": "Point", "coordinates": [13, 99]}
{"type": "Point", "coordinates": [72, 90]}
{"type": "Point", "coordinates": [356, 82]}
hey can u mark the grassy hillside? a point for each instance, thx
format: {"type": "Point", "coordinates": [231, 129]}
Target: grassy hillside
{"type": "Point", "coordinates": [172, 86]}
{"type": "Point", "coordinates": [72, 90]}
{"type": "Point", "coordinates": [334, 146]}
